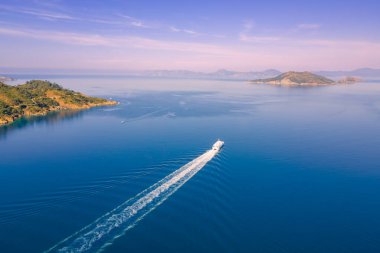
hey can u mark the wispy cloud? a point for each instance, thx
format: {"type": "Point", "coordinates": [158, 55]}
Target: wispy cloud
{"type": "Point", "coordinates": [139, 24]}
{"type": "Point", "coordinates": [248, 26]}
{"type": "Point", "coordinates": [173, 29]}
{"type": "Point", "coordinates": [308, 26]}
{"type": "Point", "coordinates": [70, 38]}
{"type": "Point", "coordinates": [187, 31]}
{"type": "Point", "coordinates": [48, 3]}
{"type": "Point", "coordinates": [38, 13]}
{"type": "Point", "coordinates": [117, 20]}
{"type": "Point", "coordinates": [124, 52]}
{"type": "Point", "coordinates": [247, 33]}
{"type": "Point", "coordinates": [134, 21]}
{"type": "Point", "coordinates": [124, 20]}
{"type": "Point", "coordinates": [117, 41]}
{"type": "Point", "coordinates": [247, 36]}
{"type": "Point", "coordinates": [257, 39]}
{"type": "Point", "coordinates": [282, 42]}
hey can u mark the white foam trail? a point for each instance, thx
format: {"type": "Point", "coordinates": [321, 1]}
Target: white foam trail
{"type": "Point", "coordinates": [104, 230]}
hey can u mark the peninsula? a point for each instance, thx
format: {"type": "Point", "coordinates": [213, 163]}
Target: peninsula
{"type": "Point", "coordinates": [296, 79]}
{"type": "Point", "coordinates": [38, 97]}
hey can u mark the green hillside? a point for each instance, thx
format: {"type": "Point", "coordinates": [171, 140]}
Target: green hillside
{"type": "Point", "coordinates": [296, 79]}
{"type": "Point", "coordinates": [38, 97]}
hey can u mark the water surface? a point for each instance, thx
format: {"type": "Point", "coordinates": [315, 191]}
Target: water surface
{"type": "Point", "coordinates": [299, 173]}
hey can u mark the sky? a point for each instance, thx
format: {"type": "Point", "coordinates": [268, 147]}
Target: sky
{"type": "Point", "coordinates": [125, 35]}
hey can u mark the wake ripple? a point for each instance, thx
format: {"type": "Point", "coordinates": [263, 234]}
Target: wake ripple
{"type": "Point", "coordinates": [102, 232]}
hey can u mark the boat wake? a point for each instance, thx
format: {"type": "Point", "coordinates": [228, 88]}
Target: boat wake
{"type": "Point", "coordinates": [102, 232]}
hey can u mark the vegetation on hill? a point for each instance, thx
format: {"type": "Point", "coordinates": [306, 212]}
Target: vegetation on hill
{"type": "Point", "coordinates": [296, 79]}
{"type": "Point", "coordinates": [38, 97]}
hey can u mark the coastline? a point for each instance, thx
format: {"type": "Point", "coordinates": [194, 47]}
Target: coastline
{"type": "Point", "coordinates": [7, 120]}
{"type": "Point", "coordinates": [37, 98]}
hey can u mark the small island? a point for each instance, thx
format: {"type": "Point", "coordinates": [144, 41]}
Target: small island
{"type": "Point", "coordinates": [293, 78]}
{"type": "Point", "coordinates": [6, 79]}
{"type": "Point", "coordinates": [349, 80]}
{"type": "Point", "coordinates": [38, 97]}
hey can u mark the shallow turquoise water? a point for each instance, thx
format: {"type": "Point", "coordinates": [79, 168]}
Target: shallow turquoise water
{"type": "Point", "coordinates": [300, 171]}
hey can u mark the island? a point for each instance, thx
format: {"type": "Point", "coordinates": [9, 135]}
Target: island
{"type": "Point", "coordinates": [293, 78]}
{"type": "Point", "coordinates": [6, 79]}
{"type": "Point", "coordinates": [38, 97]}
{"type": "Point", "coordinates": [349, 80]}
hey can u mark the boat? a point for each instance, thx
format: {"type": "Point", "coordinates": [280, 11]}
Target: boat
{"type": "Point", "coordinates": [218, 145]}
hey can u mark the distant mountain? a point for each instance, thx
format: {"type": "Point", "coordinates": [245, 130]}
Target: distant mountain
{"type": "Point", "coordinates": [296, 79]}
{"type": "Point", "coordinates": [221, 74]}
{"type": "Point", "coordinates": [226, 74]}
{"type": "Point", "coordinates": [363, 73]}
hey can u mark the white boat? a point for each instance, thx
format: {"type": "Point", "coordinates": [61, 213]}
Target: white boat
{"type": "Point", "coordinates": [218, 145]}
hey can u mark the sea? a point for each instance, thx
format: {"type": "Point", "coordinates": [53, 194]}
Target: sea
{"type": "Point", "coordinates": [299, 170]}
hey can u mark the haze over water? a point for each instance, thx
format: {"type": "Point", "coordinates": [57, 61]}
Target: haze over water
{"type": "Point", "coordinates": [299, 171]}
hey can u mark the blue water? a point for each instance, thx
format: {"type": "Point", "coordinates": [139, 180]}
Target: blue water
{"type": "Point", "coordinates": [300, 170]}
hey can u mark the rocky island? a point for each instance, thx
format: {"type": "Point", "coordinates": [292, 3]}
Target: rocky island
{"type": "Point", "coordinates": [349, 80]}
{"type": "Point", "coordinates": [40, 97]}
{"type": "Point", "coordinates": [293, 78]}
